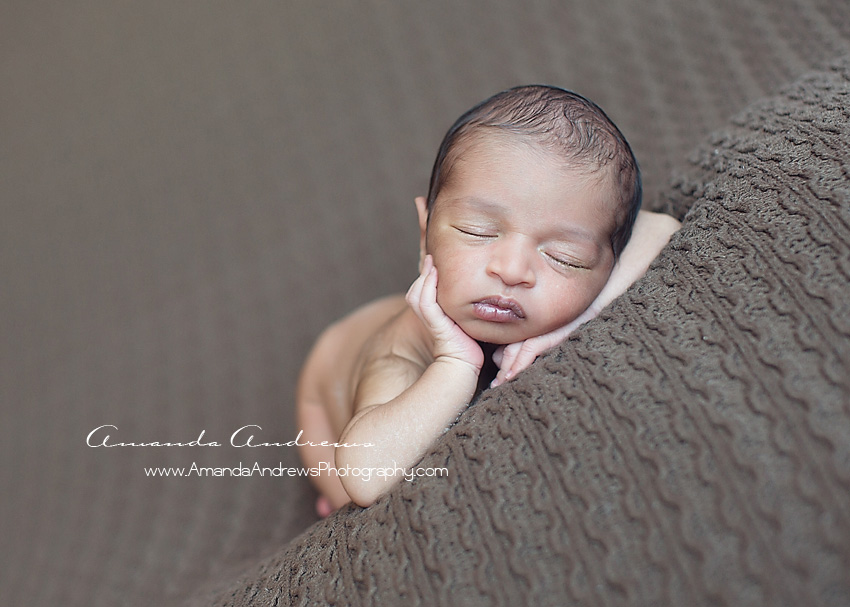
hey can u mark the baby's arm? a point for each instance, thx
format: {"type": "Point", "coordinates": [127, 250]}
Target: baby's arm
{"type": "Point", "coordinates": [651, 233]}
{"type": "Point", "coordinates": [401, 412]}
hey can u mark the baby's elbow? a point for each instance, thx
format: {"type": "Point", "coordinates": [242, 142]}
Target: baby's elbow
{"type": "Point", "coordinates": [359, 492]}
{"type": "Point", "coordinates": [362, 490]}
{"type": "Point", "coordinates": [362, 487]}
{"type": "Point", "coordinates": [673, 224]}
{"type": "Point", "coordinates": [665, 225]}
{"type": "Point", "coordinates": [654, 230]}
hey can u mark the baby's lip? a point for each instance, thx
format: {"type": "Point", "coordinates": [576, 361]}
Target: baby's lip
{"type": "Point", "coordinates": [503, 304]}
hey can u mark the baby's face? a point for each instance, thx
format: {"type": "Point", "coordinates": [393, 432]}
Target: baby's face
{"type": "Point", "coordinates": [521, 244]}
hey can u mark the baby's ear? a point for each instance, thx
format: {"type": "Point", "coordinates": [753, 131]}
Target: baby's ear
{"type": "Point", "coordinates": [422, 212]}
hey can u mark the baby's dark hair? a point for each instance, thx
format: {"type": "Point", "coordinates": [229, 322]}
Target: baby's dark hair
{"type": "Point", "coordinates": [574, 128]}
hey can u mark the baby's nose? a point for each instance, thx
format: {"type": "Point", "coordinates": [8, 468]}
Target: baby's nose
{"type": "Point", "coordinates": [512, 263]}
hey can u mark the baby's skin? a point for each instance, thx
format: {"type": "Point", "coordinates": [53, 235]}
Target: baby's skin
{"type": "Point", "coordinates": [515, 253]}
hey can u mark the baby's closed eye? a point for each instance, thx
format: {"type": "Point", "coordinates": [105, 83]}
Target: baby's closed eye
{"type": "Point", "coordinates": [567, 259]}
{"type": "Point", "coordinates": [476, 231]}
{"type": "Point", "coordinates": [567, 262]}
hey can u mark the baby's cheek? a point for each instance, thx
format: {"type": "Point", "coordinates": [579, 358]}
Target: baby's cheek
{"type": "Point", "coordinates": [446, 295]}
{"type": "Point", "coordinates": [574, 299]}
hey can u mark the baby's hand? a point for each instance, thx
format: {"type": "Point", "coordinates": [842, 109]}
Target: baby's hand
{"type": "Point", "coordinates": [513, 358]}
{"type": "Point", "coordinates": [449, 339]}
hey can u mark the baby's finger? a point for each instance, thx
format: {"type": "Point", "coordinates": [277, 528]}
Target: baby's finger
{"type": "Point", "coordinates": [414, 293]}
{"type": "Point", "coordinates": [518, 357]}
{"type": "Point", "coordinates": [498, 356]}
{"type": "Point", "coordinates": [510, 355]}
{"type": "Point", "coordinates": [415, 289]}
{"type": "Point", "coordinates": [431, 310]}
{"type": "Point", "coordinates": [503, 376]}
{"type": "Point", "coordinates": [498, 380]}
{"type": "Point", "coordinates": [507, 355]}
{"type": "Point", "coordinates": [524, 357]}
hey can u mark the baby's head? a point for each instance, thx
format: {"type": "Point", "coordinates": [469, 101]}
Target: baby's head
{"type": "Point", "coordinates": [532, 198]}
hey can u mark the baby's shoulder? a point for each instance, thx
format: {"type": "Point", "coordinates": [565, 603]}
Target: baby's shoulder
{"type": "Point", "coordinates": [400, 340]}
{"type": "Point", "coordinates": [390, 361]}
{"type": "Point", "coordinates": [336, 352]}
{"type": "Point", "coordinates": [347, 337]}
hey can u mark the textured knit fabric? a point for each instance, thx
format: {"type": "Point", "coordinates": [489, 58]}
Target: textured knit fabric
{"type": "Point", "coordinates": [191, 191]}
{"type": "Point", "coordinates": [689, 447]}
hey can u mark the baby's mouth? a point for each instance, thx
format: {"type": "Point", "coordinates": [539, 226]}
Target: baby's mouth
{"type": "Point", "coordinates": [498, 309]}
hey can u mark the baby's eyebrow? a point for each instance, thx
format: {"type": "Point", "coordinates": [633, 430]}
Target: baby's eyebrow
{"type": "Point", "coordinates": [573, 233]}
{"type": "Point", "coordinates": [478, 204]}
{"type": "Point", "coordinates": [581, 243]}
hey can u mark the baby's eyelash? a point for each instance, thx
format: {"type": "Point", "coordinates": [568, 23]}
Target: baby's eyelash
{"type": "Point", "coordinates": [476, 234]}
{"type": "Point", "coordinates": [566, 263]}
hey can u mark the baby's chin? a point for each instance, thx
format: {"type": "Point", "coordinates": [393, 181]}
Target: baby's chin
{"type": "Point", "coordinates": [499, 334]}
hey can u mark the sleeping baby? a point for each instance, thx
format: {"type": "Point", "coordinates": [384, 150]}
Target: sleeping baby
{"type": "Point", "coordinates": [534, 196]}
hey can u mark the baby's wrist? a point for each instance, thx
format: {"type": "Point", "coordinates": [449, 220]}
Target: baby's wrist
{"type": "Point", "coordinates": [457, 362]}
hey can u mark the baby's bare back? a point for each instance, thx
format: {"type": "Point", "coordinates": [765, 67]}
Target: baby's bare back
{"type": "Point", "coordinates": [332, 368]}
